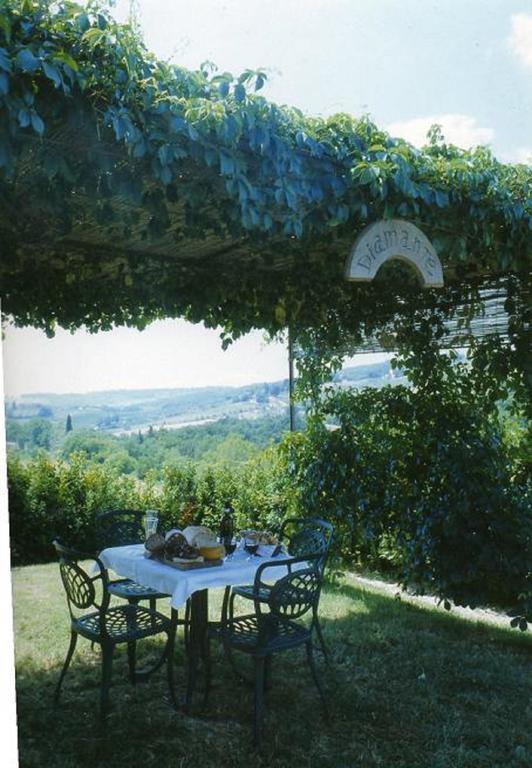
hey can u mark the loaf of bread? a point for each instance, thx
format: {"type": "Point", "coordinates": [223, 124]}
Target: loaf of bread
{"type": "Point", "coordinates": [155, 544]}
{"type": "Point", "coordinates": [178, 547]}
{"type": "Point", "coordinates": [195, 533]}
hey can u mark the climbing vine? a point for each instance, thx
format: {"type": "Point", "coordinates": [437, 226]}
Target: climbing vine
{"type": "Point", "coordinates": [96, 133]}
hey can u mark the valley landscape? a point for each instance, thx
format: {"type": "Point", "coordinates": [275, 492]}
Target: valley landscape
{"type": "Point", "coordinates": [151, 426]}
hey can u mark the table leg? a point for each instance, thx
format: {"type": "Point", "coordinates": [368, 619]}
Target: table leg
{"type": "Point", "coordinates": [197, 640]}
{"type": "Point", "coordinates": [141, 675]}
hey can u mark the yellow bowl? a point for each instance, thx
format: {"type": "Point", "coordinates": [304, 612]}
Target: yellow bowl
{"type": "Point", "coordinates": [212, 553]}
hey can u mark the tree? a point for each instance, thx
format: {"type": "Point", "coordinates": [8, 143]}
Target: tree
{"type": "Point", "coordinates": [68, 426]}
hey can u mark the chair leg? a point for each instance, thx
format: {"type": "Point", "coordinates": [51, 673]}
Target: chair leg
{"type": "Point", "coordinates": [319, 632]}
{"type": "Point", "coordinates": [186, 626]}
{"type": "Point", "coordinates": [153, 608]}
{"type": "Point", "coordinates": [70, 652]}
{"type": "Point", "coordinates": [268, 672]}
{"type": "Point", "coordinates": [132, 660]}
{"type": "Point", "coordinates": [170, 645]}
{"type": "Point", "coordinates": [107, 669]}
{"type": "Point", "coordinates": [312, 665]}
{"type": "Point", "coordinates": [259, 699]}
{"type": "Point", "coordinates": [208, 670]}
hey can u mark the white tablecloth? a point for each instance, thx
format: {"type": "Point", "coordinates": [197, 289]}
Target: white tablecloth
{"type": "Point", "coordinates": [131, 563]}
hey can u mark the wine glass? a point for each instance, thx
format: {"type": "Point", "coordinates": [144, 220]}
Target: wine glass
{"type": "Point", "coordinates": [251, 546]}
{"type": "Point", "coordinates": [151, 521]}
{"type": "Point", "coordinates": [230, 546]}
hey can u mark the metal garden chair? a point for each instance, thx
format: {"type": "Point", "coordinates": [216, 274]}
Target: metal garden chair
{"type": "Point", "coordinates": [303, 536]}
{"type": "Point", "coordinates": [117, 528]}
{"type": "Point", "coordinates": [91, 617]}
{"type": "Point", "coordinates": [274, 627]}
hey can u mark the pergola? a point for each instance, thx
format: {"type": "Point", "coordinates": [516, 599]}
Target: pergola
{"type": "Point", "coordinates": [133, 190]}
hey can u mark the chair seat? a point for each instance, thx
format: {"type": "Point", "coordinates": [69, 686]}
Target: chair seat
{"type": "Point", "coordinates": [130, 590]}
{"type": "Point", "coordinates": [248, 591]}
{"type": "Point", "coordinates": [264, 591]}
{"type": "Point", "coordinates": [262, 635]}
{"type": "Point", "coordinates": [123, 623]}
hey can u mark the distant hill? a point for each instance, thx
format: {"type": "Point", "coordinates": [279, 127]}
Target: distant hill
{"type": "Point", "coordinates": [126, 411]}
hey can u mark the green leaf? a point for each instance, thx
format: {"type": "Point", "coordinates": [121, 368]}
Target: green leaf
{"type": "Point", "coordinates": [52, 73]}
{"type": "Point", "coordinates": [5, 26]}
{"type": "Point", "coordinates": [4, 83]}
{"type": "Point", "coordinates": [5, 61]}
{"type": "Point", "coordinates": [388, 211]}
{"type": "Point", "coordinates": [163, 154]}
{"type": "Point", "coordinates": [245, 76]}
{"type": "Point", "coordinates": [227, 166]}
{"type": "Point", "coordinates": [139, 150]}
{"type": "Point", "coordinates": [24, 118]}
{"type": "Point", "coordinates": [240, 92]}
{"type": "Point", "coordinates": [66, 59]}
{"type": "Point", "coordinates": [27, 61]}
{"type": "Point", "coordinates": [37, 123]}
{"type": "Point", "coordinates": [120, 127]}
{"type": "Point", "coordinates": [83, 22]}
{"type": "Point", "coordinates": [166, 175]}
{"type": "Point", "coordinates": [94, 37]}
{"type": "Point", "coordinates": [223, 88]}
{"type": "Point", "coordinates": [280, 313]}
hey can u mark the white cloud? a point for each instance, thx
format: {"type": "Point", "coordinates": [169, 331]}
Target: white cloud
{"type": "Point", "coordinates": [520, 155]}
{"type": "Point", "coordinates": [458, 129]}
{"type": "Point", "coordinates": [520, 40]}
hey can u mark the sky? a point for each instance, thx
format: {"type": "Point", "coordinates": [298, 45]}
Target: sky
{"type": "Point", "coordinates": [465, 64]}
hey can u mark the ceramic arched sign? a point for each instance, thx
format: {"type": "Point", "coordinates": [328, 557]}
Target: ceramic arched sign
{"type": "Point", "coordinates": [393, 239]}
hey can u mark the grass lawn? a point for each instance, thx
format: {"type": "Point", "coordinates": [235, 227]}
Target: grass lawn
{"type": "Point", "coordinates": [409, 687]}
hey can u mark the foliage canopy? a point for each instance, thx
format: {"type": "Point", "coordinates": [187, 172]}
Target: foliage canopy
{"type": "Point", "coordinates": [133, 189]}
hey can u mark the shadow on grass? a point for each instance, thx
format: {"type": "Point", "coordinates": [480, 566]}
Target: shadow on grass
{"type": "Point", "coordinates": [407, 687]}
{"type": "Point", "coordinates": [445, 621]}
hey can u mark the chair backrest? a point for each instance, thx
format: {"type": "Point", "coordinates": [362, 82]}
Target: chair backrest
{"type": "Point", "coordinates": [308, 536]}
{"type": "Point", "coordinates": [297, 592]}
{"type": "Point", "coordinates": [83, 591]}
{"type": "Point", "coordinates": [119, 527]}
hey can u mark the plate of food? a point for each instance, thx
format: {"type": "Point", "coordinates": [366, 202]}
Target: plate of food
{"type": "Point", "coordinates": [177, 551]}
{"type": "Point", "coordinates": [262, 543]}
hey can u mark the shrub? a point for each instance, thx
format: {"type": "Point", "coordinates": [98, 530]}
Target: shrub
{"type": "Point", "coordinates": [58, 499]}
{"type": "Point", "coordinates": [49, 499]}
{"type": "Point", "coordinates": [420, 482]}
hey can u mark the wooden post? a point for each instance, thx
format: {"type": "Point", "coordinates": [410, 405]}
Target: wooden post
{"type": "Point", "coordinates": [291, 404]}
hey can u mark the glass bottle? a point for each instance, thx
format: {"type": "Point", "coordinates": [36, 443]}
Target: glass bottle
{"type": "Point", "coordinates": [227, 525]}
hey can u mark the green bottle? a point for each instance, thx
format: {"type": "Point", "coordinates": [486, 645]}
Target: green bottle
{"type": "Point", "coordinates": [227, 525]}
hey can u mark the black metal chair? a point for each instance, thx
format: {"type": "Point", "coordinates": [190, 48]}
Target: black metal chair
{"type": "Point", "coordinates": [118, 528]}
{"type": "Point", "coordinates": [303, 536]}
{"type": "Point", "coordinates": [274, 626]}
{"type": "Point", "coordinates": [91, 617]}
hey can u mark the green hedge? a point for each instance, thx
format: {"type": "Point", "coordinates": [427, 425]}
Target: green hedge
{"type": "Point", "coordinates": [49, 499]}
